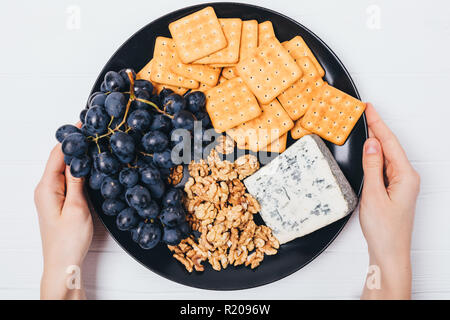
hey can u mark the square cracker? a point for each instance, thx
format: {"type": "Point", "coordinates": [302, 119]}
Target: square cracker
{"type": "Point", "coordinates": [258, 133]}
{"type": "Point", "coordinates": [297, 47]}
{"type": "Point", "coordinates": [203, 87]}
{"type": "Point", "coordinates": [333, 116]}
{"type": "Point", "coordinates": [249, 41]}
{"type": "Point", "coordinates": [229, 72]}
{"type": "Point", "coordinates": [201, 73]}
{"type": "Point", "coordinates": [298, 131]}
{"type": "Point", "coordinates": [232, 29]}
{"type": "Point", "coordinates": [222, 79]}
{"type": "Point", "coordinates": [278, 146]}
{"type": "Point", "coordinates": [265, 32]}
{"type": "Point", "coordinates": [269, 70]}
{"type": "Point", "coordinates": [230, 104]}
{"type": "Point", "coordinates": [249, 37]}
{"type": "Point", "coordinates": [163, 57]}
{"type": "Point", "coordinates": [145, 73]}
{"type": "Point", "coordinates": [297, 98]}
{"type": "Point", "coordinates": [178, 90]}
{"type": "Point", "coordinates": [198, 35]}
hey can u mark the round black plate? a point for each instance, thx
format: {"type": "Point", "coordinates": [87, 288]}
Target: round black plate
{"type": "Point", "coordinates": [136, 52]}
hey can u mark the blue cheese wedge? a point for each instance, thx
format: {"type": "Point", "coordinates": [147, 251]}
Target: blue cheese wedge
{"type": "Point", "coordinates": [302, 190]}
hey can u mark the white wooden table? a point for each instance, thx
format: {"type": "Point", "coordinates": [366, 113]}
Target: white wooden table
{"type": "Point", "coordinates": [396, 51]}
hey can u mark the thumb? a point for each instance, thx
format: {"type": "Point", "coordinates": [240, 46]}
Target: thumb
{"type": "Point", "coordinates": [74, 189]}
{"type": "Point", "coordinates": [373, 167]}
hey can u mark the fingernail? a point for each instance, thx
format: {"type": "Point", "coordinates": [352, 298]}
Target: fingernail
{"type": "Point", "coordinates": [371, 147]}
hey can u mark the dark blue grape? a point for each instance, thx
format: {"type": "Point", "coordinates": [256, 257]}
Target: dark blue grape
{"type": "Point", "coordinates": [156, 100]}
{"type": "Point", "coordinates": [150, 175]}
{"type": "Point", "coordinates": [115, 104]}
{"type": "Point", "coordinates": [96, 179]}
{"type": "Point", "coordinates": [127, 219]}
{"type": "Point", "coordinates": [86, 130]}
{"type": "Point", "coordinates": [111, 188]}
{"type": "Point", "coordinates": [155, 141]}
{"type": "Point", "coordinates": [97, 120]}
{"type": "Point", "coordinates": [165, 172]}
{"type": "Point", "coordinates": [139, 120]}
{"type": "Point", "coordinates": [195, 101]}
{"type": "Point", "coordinates": [68, 159]}
{"type": "Point", "coordinates": [64, 131]}
{"type": "Point", "coordinates": [114, 82]}
{"type": "Point", "coordinates": [116, 124]}
{"type": "Point", "coordinates": [144, 95]}
{"type": "Point", "coordinates": [103, 87]}
{"type": "Point", "coordinates": [137, 137]}
{"type": "Point", "coordinates": [172, 216]}
{"type": "Point", "coordinates": [161, 123]}
{"type": "Point", "coordinates": [129, 177]}
{"type": "Point", "coordinates": [125, 77]}
{"type": "Point", "coordinates": [80, 166]}
{"type": "Point", "coordinates": [96, 148]}
{"type": "Point", "coordinates": [136, 231]}
{"type": "Point", "coordinates": [151, 212]}
{"type": "Point", "coordinates": [143, 161]}
{"type": "Point", "coordinates": [98, 100]}
{"type": "Point", "coordinates": [143, 85]}
{"type": "Point", "coordinates": [106, 163]}
{"type": "Point", "coordinates": [183, 120]}
{"type": "Point", "coordinates": [185, 229]}
{"type": "Point", "coordinates": [122, 144]}
{"type": "Point", "coordinates": [172, 236]}
{"type": "Point", "coordinates": [126, 158]}
{"type": "Point", "coordinates": [83, 115]}
{"type": "Point", "coordinates": [173, 197]}
{"type": "Point", "coordinates": [112, 207]}
{"type": "Point", "coordinates": [74, 145]}
{"type": "Point", "coordinates": [174, 103]}
{"type": "Point", "coordinates": [138, 197]}
{"type": "Point", "coordinates": [164, 93]}
{"type": "Point", "coordinates": [204, 118]}
{"type": "Point", "coordinates": [157, 189]}
{"type": "Point", "coordinates": [92, 96]}
{"type": "Point", "coordinates": [149, 236]}
{"type": "Point", "coordinates": [163, 159]}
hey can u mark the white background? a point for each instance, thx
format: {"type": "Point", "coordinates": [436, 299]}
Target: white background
{"type": "Point", "coordinates": [46, 73]}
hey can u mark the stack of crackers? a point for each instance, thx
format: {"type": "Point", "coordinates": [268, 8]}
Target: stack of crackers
{"type": "Point", "coordinates": [258, 89]}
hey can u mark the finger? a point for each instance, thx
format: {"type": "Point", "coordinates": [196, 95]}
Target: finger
{"type": "Point", "coordinates": [373, 168]}
{"type": "Point", "coordinates": [55, 167]}
{"type": "Point", "coordinates": [371, 135]}
{"type": "Point", "coordinates": [75, 190]}
{"type": "Point", "coordinates": [50, 193]}
{"type": "Point", "coordinates": [392, 149]}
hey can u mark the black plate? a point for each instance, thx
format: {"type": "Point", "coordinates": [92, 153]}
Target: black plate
{"type": "Point", "coordinates": [137, 51]}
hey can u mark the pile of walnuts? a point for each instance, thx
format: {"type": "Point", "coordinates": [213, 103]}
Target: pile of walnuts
{"type": "Point", "coordinates": [222, 211]}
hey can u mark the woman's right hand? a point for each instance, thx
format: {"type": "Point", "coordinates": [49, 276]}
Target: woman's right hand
{"type": "Point", "coordinates": [388, 201]}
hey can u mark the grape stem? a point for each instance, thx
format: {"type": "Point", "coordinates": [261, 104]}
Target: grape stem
{"type": "Point", "coordinates": [127, 109]}
{"type": "Point", "coordinates": [155, 107]}
{"type": "Point", "coordinates": [146, 154]}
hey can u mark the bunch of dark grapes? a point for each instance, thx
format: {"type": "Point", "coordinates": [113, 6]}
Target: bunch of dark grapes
{"type": "Point", "coordinates": [123, 149]}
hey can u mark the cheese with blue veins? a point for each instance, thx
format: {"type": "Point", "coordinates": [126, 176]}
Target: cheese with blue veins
{"type": "Point", "coordinates": [301, 190]}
